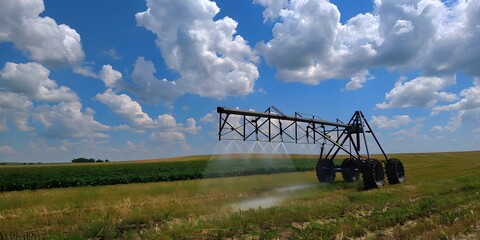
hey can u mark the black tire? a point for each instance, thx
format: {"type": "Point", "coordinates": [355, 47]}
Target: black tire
{"type": "Point", "coordinates": [325, 172]}
{"type": "Point", "coordinates": [395, 171]}
{"type": "Point", "coordinates": [349, 174]}
{"type": "Point", "coordinates": [373, 174]}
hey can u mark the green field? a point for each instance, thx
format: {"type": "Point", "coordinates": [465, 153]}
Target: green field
{"type": "Point", "coordinates": [440, 200]}
{"type": "Point", "coordinates": [31, 177]}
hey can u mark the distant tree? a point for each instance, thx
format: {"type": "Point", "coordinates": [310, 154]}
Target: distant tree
{"type": "Point", "coordinates": [106, 160]}
{"type": "Point", "coordinates": [99, 160]}
{"type": "Point", "coordinates": [83, 160]}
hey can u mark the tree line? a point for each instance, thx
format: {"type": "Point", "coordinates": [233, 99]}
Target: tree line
{"type": "Point", "coordinates": [88, 160]}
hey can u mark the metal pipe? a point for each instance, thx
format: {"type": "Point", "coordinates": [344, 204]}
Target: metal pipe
{"type": "Point", "coordinates": [280, 117]}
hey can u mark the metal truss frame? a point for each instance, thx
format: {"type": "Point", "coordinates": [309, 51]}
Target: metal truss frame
{"type": "Point", "coordinates": [273, 125]}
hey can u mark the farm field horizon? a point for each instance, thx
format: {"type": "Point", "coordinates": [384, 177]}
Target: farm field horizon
{"type": "Point", "coordinates": [440, 199]}
{"type": "Point", "coordinates": [240, 120]}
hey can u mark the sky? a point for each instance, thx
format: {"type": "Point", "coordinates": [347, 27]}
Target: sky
{"type": "Point", "coordinates": [123, 80]}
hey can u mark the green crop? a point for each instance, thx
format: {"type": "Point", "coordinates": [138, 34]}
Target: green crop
{"type": "Point", "coordinates": [14, 178]}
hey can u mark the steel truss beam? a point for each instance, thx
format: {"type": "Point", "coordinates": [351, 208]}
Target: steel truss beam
{"type": "Point", "coordinates": [274, 126]}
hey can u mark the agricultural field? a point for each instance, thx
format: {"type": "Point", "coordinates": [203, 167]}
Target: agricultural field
{"type": "Point", "coordinates": [439, 200]}
{"type": "Point", "coordinates": [31, 177]}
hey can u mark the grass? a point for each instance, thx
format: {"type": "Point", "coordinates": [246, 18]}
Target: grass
{"type": "Point", "coordinates": [440, 200]}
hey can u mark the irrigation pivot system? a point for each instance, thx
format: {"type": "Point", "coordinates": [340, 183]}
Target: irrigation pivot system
{"type": "Point", "coordinates": [334, 137]}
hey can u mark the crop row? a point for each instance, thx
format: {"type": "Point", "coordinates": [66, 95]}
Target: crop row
{"type": "Point", "coordinates": [35, 177]}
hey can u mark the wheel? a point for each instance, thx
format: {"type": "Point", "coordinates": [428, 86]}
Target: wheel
{"type": "Point", "coordinates": [349, 174]}
{"type": "Point", "coordinates": [325, 172]}
{"type": "Point", "coordinates": [395, 171]}
{"type": "Point", "coordinates": [373, 174]}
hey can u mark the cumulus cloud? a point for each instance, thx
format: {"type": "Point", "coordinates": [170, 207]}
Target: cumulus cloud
{"type": "Point", "coordinates": [455, 45]}
{"type": "Point", "coordinates": [166, 121]}
{"type": "Point", "coordinates": [383, 122]}
{"type": "Point", "coordinates": [150, 89]}
{"type": "Point", "coordinates": [31, 80]}
{"type": "Point", "coordinates": [25, 85]}
{"type": "Point", "coordinates": [67, 119]}
{"type": "Point", "coordinates": [21, 85]}
{"type": "Point", "coordinates": [357, 81]}
{"type": "Point", "coordinates": [419, 92]}
{"type": "Point", "coordinates": [211, 59]}
{"type": "Point", "coordinates": [170, 137]}
{"type": "Point", "coordinates": [310, 44]}
{"type": "Point", "coordinates": [413, 133]}
{"type": "Point", "coordinates": [110, 76]}
{"type": "Point", "coordinates": [192, 126]}
{"type": "Point", "coordinates": [40, 38]}
{"type": "Point", "coordinates": [470, 99]}
{"type": "Point", "coordinates": [272, 8]}
{"type": "Point", "coordinates": [16, 109]}
{"type": "Point", "coordinates": [169, 141]}
{"type": "Point", "coordinates": [131, 111]}
{"type": "Point", "coordinates": [170, 133]}
{"type": "Point", "coordinates": [126, 108]}
{"type": "Point", "coordinates": [467, 109]}
{"type": "Point", "coordinates": [209, 117]}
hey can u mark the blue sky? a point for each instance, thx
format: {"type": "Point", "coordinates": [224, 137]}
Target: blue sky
{"type": "Point", "coordinates": [141, 79]}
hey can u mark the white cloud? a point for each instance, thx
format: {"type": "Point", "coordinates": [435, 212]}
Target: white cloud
{"type": "Point", "coordinates": [383, 122]}
{"type": "Point", "coordinates": [164, 128]}
{"type": "Point", "coordinates": [7, 149]}
{"type": "Point", "coordinates": [413, 133]}
{"type": "Point", "coordinates": [166, 121]}
{"type": "Point", "coordinates": [455, 45]}
{"type": "Point", "coordinates": [121, 127]}
{"type": "Point", "coordinates": [211, 59]}
{"type": "Point", "coordinates": [357, 81]}
{"type": "Point", "coordinates": [455, 122]}
{"type": "Point", "coordinates": [470, 99]}
{"type": "Point", "coordinates": [14, 108]}
{"type": "Point", "coordinates": [112, 53]}
{"type": "Point", "coordinates": [20, 85]}
{"type": "Point", "coordinates": [262, 91]}
{"type": "Point", "coordinates": [150, 89]}
{"type": "Point", "coordinates": [86, 71]}
{"type": "Point", "coordinates": [402, 27]}
{"type": "Point", "coordinates": [209, 117]}
{"type": "Point", "coordinates": [272, 8]}
{"type": "Point", "coordinates": [126, 108]}
{"type": "Point", "coordinates": [169, 137]}
{"type": "Point", "coordinates": [171, 134]}
{"type": "Point", "coordinates": [66, 120]}
{"type": "Point", "coordinates": [110, 76]}
{"type": "Point", "coordinates": [40, 38]}
{"type": "Point", "coordinates": [419, 92]}
{"type": "Point", "coordinates": [310, 44]}
{"type": "Point", "coordinates": [192, 127]}
{"type": "Point", "coordinates": [467, 109]}
{"type": "Point", "coordinates": [31, 80]}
